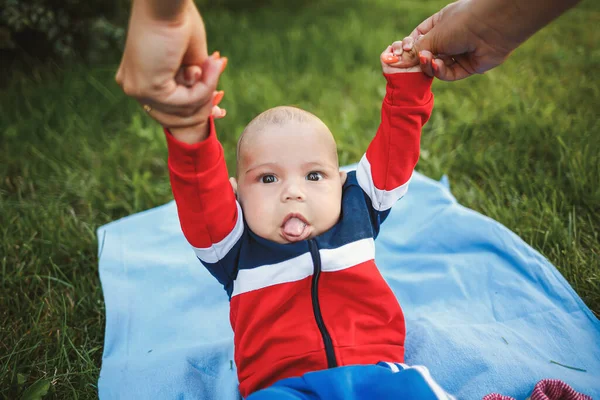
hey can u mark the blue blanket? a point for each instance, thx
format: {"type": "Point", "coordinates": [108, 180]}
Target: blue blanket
{"type": "Point", "coordinates": [485, 312]}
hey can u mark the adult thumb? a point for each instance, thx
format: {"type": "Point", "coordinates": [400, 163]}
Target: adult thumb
{"type": "Point", "coordinates": [445, 36]}
{"type": "Point", "coordinates": [430, 42]}
{"type": "Point", "coordinates": [196, 52]}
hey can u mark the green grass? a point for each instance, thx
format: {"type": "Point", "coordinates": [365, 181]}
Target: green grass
{"type": "Point", "coordinates": [521, 144]}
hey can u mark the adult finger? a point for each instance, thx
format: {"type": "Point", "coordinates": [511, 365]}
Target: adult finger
{"type": "Point", "coordinates": [425, 26]}
{"type": "Point", "coordinates": [218, 96]}
{"type": "Point", "coordinates": [450, 72]}
{"type": "Point", "coordinates": [196, 52]}
{"type": "Point", "coordinates": [448, 61]}
{"type": "Point", "coordinates": [425, 59]}
{"type": "Point", "coordinates": [170, 120]}
{"type": "Point", "coordinates": [179, 111]}
{"type": "Point", "coordinates": [119, 75]}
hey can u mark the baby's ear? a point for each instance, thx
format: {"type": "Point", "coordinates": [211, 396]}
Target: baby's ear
{"type": "Point", "coordinates": [233, 182]}
{"type": "Point", "coordinates": [343, 176]}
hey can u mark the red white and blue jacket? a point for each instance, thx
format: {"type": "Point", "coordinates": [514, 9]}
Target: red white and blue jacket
{"type": "Point", "coordinates": [318, 303]}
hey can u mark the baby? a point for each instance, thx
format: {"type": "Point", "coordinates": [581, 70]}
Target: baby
{"type": "Point", "coordinates": [293, 242]}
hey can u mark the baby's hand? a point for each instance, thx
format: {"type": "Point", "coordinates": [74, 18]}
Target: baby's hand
{"type": "Point", "coordinates": [400, 52]}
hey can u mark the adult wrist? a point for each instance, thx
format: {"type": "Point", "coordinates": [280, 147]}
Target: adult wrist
{"type": "Point", "coordinates": [509, 23]}
{"type": "Point", "coordinates": [166, 10]}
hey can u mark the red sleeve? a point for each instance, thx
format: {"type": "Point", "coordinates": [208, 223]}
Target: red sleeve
{"type": "Point", "coordinates": [205, 200]}
{"type": "Point", "coordinates": [388, 164]}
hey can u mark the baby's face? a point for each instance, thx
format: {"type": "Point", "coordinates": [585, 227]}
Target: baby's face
{"type": "Point", "coordinates": [289, 183]}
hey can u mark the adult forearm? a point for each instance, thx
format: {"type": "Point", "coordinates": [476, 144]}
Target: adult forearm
{"type": "Point", "coordinates": [163, 36]}
{"type": "Point", "coordinates": [473, 36]}
{"type": "Point", "coordinates": [163, 10]}
{"type": "Point", "coordinates": [517, 20]}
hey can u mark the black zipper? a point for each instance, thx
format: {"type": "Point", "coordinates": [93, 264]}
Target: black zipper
{"type": "Point", "coordinates": [316, 257]}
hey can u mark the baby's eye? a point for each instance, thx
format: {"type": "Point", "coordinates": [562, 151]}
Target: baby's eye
{"type": "Point", "coordinates": [314, 176]}
{"type": "Point", "coordinates": [268, 178]}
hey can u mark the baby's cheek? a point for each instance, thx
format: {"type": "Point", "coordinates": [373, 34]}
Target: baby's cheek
{"type": "Point", "coordinates": [259, 216]}
{"type": "Point", "coordinates": [330, 208]}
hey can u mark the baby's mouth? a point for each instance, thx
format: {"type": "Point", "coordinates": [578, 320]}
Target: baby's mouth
{"type": "Point", "coordinates": [295, 228]}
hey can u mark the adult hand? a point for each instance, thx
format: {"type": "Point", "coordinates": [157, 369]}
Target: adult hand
{"type": "Point", "coordinates": [473, 36]}
{"type": "Point", "coordinates": [463, 44]}
{"type": "Point", "coordinates": [158, 44]}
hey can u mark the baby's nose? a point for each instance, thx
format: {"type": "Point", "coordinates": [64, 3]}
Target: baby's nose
{"type": "Point", "coordinates": [293, 191]}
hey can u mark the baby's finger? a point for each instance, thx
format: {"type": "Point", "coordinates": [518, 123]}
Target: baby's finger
{"type": "Point", "coordinates": [200, 93]}
{"type": "Point", "coordinates": [192, 74]}
{"type": "Point", "coordinates": [188, 75]}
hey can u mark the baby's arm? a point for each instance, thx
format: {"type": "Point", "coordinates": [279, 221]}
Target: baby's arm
{"type": "Point", "coordinates": [209, 214]}
{"type": "Point", "coordinates": [385, 170]}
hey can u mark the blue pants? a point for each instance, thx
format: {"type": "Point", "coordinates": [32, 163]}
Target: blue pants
{"type": "Point", "coordinates": [381, 381]}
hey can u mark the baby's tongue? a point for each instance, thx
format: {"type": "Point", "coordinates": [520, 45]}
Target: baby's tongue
{"type": "Point", "coordinates": [293, 227]}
